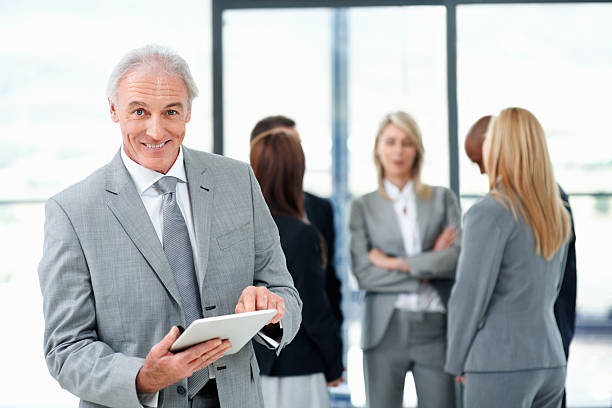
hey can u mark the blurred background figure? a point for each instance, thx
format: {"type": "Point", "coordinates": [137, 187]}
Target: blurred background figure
{"type": "Point", "coordinates": [299, 376]}
{"type": "Point", "coordinates": [565, 305]}
{"type": "Point", "coordinates": [404, 253]}
{"type": "Point", "coordinates": [504, 344]}
{"type": "Point", "coordinates": [318, 211]}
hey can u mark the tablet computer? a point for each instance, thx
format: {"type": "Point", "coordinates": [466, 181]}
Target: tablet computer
{"type": "Point", "coordinates": [238, 328]}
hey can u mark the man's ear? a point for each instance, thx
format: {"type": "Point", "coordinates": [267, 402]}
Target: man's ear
{"type": "Point", "coordinates": [188, 116]}
{"type": "Point", "coordinates": [113, 111]}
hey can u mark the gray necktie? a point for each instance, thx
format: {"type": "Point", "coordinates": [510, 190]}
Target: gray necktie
{"type": "Point", "coordinates": [177, 247]}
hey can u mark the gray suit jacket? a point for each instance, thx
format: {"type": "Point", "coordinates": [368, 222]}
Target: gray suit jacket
{"type": "Point", "coordinates": [501, 307]}
{"type": "Point", "coordinates": [373, 224]}
{"type": "Point", "coordinates": [109, 293]}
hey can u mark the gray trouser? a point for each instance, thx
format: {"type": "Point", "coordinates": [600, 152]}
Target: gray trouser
{"type": "Point", "coordinates": [413, 342]}
{"type": "Point", "coordinates": [515, 389]}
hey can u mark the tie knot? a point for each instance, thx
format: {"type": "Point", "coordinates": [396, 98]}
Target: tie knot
{"type": "Point", "coordinates": [166, 184]}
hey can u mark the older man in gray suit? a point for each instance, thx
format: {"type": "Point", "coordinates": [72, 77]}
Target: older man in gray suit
{"type": "Point", "coordinates": [160, 236]}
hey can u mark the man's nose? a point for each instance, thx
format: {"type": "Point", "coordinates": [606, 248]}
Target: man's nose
{"type": "Point", "coordinates": [155, 128]}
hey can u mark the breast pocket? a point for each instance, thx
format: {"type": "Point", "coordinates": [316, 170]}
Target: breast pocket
{"type": "Point", "coordinates": [228, 239]}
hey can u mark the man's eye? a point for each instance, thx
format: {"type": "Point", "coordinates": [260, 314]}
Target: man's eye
{"type": "Point", "coordinates": [139, 112]}
{"type": "Point", "coordinates": [172, 112]}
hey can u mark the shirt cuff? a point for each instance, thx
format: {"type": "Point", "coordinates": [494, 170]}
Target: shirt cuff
{"type": "Point", "coordinates": [272, 335]}
{"type": "Point", "coordinates": [148, 399]}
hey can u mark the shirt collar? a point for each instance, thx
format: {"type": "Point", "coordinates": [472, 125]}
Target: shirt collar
{"type": "Point", "coordinates": [144, 178]}
{"type": "Point", "coordinates": [395, 193]}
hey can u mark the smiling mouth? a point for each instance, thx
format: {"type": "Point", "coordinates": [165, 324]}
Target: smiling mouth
{"type": "Point", "coordinates": [155, 146]}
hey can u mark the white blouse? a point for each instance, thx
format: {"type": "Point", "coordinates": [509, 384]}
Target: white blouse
{"type": "Point", "coordinates": [425, 299]}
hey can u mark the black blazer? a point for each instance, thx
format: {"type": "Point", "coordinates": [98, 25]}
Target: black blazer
{"type": "Point", "coordinates": [317, 347]}
{"type": "Point", "coordinates": [319, 212]}
{"type": "Point", "coordinates": [565, 305]}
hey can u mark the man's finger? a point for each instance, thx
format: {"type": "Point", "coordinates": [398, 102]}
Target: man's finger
{"type": "Point", "coordinates": [262, 295]}
{"type": "Point", "coordinates": [209, 359]}
{"type": "Point", "coordinates": [280, 310]}
{"type": "Point", "coordinates": [272, 301]}
{"type": "Point", "coordinates": [210, 356]}
{"type": "Point", "coordinates": [163, 346]}
{"type": "Point", "coordinates": [248, 299]}
{"type": "Point", "coordinates": [193, 352]}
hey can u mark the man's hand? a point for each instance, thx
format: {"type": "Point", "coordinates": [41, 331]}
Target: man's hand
{"type": "Point", "coordinates": [163, 368]}
{"type": "Point", "coordinates": [445, 239]}
{"type": "Point", "coordinates": [260, 298]}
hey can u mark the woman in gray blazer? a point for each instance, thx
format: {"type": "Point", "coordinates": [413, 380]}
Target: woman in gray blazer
{"type": "Point", "coordinates": [404, 253]}
{"type": "Point", "coordinates": [504, 344]}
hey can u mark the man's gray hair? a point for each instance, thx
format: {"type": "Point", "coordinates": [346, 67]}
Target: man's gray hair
{"type": "Point", "coordinates": [155, 57]}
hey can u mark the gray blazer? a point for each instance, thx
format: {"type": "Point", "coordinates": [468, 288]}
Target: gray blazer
{"type": "Point", "coordinates": [373, 224]}
{"type": "Point", "coordinates": [501, 307]}
{"type": "Point", "coordinates": [109, 293]}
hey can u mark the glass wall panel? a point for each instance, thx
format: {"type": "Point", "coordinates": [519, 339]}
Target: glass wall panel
{"type": "Point", "coordinates": [55, 129]}
{"type": "Point", "coordinates": [397, 61]}
{"type": "Point", "coordinates": [54, 117]}
{"type": "Point", "coordinates": [555, 61]}
{"type": "Point", "coordinates": [277, 62]}
{"type": "Point", "coordinates": [551, 59]}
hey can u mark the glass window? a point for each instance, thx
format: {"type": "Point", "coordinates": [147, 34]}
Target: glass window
{"type": "Point", "coordinates": [54, 120]}
{"type": "Point", "coordinates": [397, 61]}
{"type": "Point", "coordinates": [555, 61]}
{"type": "Point", "coordinates": [277, 62]}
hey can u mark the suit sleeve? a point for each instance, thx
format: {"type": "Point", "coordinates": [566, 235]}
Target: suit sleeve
{"type": "Point", "coordinates": [332, 283]}
{"type": "Point", "coordinates": [270, 265]}
{"type": "Point", "coordinates": [565, 305]}
{"type": "Point", "coordinates": [75, 357]}
{"type": "Point", "coordinates": [370, 277]}
{"type": "Point", "coordinates": [317, 317]}
{"type": "Point", "coordinates": [440, 264]}
{"type": "Point", "coordinates": [483, 244]}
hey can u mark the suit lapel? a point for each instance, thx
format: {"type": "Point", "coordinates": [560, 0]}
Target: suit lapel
{"type": "Point", "coordinates": [389, 221]}
{"type": "Point", "coordinates": [200, 185]}
{"type": "Point", "coordinates": [423, 211]}
{"type": "Point", "coordinates": [126, 205]}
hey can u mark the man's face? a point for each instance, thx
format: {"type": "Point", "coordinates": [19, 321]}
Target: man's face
{"type": "Point", "coordinates": [152, 109]}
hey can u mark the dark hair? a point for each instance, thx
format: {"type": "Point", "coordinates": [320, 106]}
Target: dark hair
{"type": "Point", "coordinates": [270, 123]}
{"type": "Point", "coordinates": [278, 163]}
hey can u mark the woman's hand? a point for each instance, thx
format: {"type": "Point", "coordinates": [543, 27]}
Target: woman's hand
{"type": "Point", "coordinates": [445, 239]}
{"type": "Point", "coordinates": [336, 382]}
{"type": "Point", "coordinates": [379, 259]}
{"type": "Point", "coordinates": [461, 378]}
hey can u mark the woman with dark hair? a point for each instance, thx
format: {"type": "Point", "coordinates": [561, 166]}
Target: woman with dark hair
{"type": "Point", "coordinates": [300, 374]}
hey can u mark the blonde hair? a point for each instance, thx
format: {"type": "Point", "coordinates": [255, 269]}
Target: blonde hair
{"type": "Point", "coordinates": [521, 177]}
{"type": "Point", "coordinates": [407, 123]}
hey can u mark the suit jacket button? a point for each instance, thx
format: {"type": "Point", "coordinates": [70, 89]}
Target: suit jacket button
{"type": "Point", "coordinates": [181, 390]}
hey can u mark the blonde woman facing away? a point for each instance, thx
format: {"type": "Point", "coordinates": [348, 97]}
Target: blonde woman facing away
{"type": "Point", "coordinates": [404, 250]}
{"type": "Point", "coordinates": [504, 344]}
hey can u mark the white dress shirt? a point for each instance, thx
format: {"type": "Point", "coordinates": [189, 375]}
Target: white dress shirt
{"type": "Point", "coordinates": [152, 199]}
{"type": "Point", "coordinates": [425, 299]}
{"type": "Point", "coordinates": [144, 179]}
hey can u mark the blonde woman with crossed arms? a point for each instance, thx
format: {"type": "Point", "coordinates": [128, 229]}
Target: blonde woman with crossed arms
{"type": "Point", "coordinates": [404, 251]}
